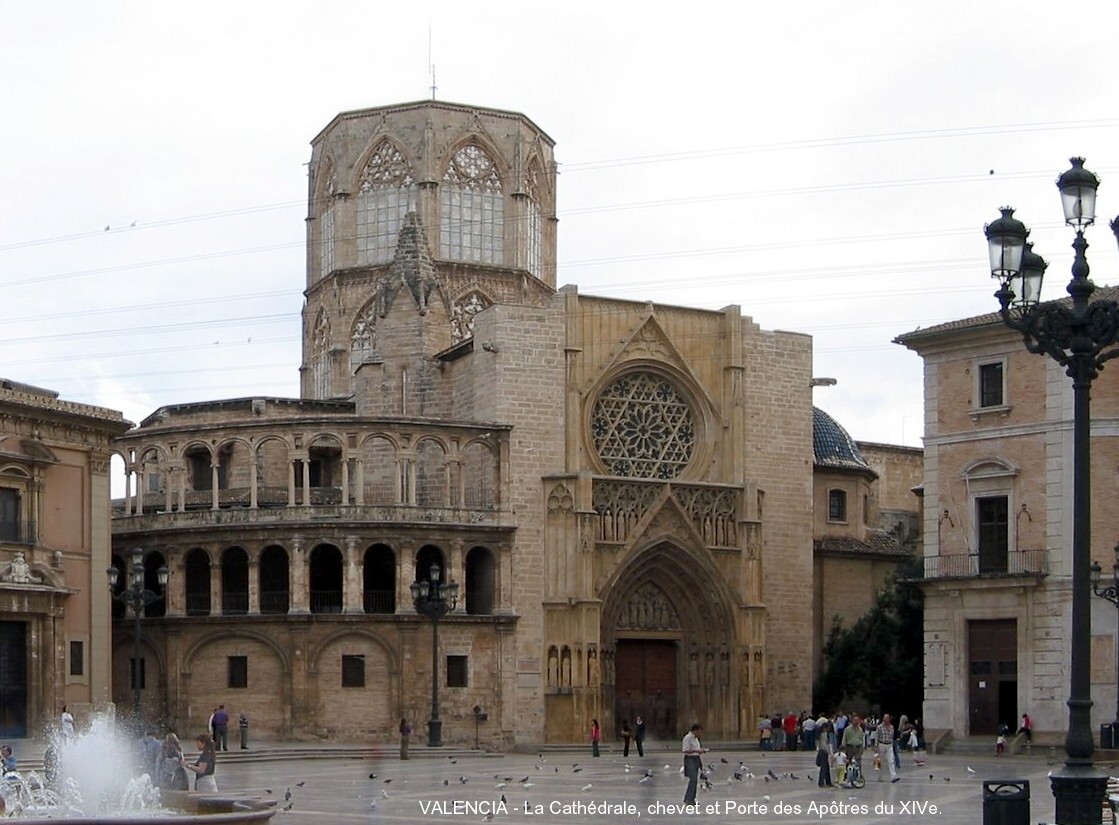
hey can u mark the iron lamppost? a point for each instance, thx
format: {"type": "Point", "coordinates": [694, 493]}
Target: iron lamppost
{"type": "Point", "coordinates": [1111, 593]}
{"type": "Point", "coordinates": [435, 600]}
{"type": "Point", "coordinates": [1080, 336]}
{"type": "Point", "coordinates": [135, 596]}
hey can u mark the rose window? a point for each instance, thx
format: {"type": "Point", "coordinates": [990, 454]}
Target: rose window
{"type": "Point", "coordinates": [642, 427]}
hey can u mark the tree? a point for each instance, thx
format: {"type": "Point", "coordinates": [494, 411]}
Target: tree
{"type": "Point", "coordinates": [879, 659]}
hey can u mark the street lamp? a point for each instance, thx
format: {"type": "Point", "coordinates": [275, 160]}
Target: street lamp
{"type": "Point", "coordinates": [136, 597]}
{"type": "Point", "coordinates": [1081, 337]}
{"type": "Point", "coordinates": [434, 600]}
{"type": "Point", "coordinates": [1111, 593]}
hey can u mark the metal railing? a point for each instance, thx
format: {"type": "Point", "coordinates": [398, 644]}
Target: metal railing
{"type": "Point", "coordinates": [1033, 562]}
{"type": "Point", "coordinates": [326, 601]}
{"type": "Point", "coordinates": [379, 601]}
{"type": "Point", "coordinates": [234, 604]}
{"type": "Point", "coordinates": [18, 532]}
{"type": "Point", "coordinates": [275, 601]}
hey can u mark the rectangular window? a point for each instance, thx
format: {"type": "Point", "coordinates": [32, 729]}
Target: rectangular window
{"type": "Point", "coordinates": [990, 385]}
{"type": "Point", "coordinates": [837, 505]}
{"type": "Point", "coordinates": [457, 672]}
{"type": "Point", "coordinates": [238, 671]}
{"type": "Point", "coordinates": [9, 514]}
{"type": "Point", "coordinates": [992, 517]}
{"type": "Point", "coordinates": [77, 658]}
{"type": "Point", "coordinates": [132, 674]}
{"type": "Point", "coordinates": [353, 671]}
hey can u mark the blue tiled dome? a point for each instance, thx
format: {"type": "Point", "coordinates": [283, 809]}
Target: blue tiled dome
{"type": "Point", "coordinates": [832, 447]}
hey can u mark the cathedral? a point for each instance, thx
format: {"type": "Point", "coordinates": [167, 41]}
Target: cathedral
{"type": "Point", "coordinates": [621, 490]}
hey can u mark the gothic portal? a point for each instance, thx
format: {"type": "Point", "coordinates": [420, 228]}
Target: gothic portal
{"type": "Point", "coordinates": [622, 489]}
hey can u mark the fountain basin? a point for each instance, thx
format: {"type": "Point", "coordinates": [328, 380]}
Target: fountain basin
{"type": "Point", "coordinates": [184, 809]}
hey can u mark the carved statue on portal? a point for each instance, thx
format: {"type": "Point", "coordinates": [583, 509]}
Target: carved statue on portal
{"type": "Point", "coordinates": [693, 669]}
{"type": "Point", "coordinates": [592, 667]}
{"type": "Point", "coordinates": [553, 667]}
{"type": "Point", "coordinates": [709, 669]}
{"type": "Point", "coordinates": [649, 609]}
{"type": "Point", "coordinates": [565, 667]}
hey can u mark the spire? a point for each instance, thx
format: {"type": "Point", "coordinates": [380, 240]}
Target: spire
{"type": "Point", "coordinates": [412, 262]}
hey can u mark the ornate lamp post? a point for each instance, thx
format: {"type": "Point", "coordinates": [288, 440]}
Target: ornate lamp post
{"type": "Point", "coordinates": [136, 597]}
{"type": "Point", "coordinates": [1111, 593]}
{"type": "Point", "coordinates": [1081, 337]}
{"type": "Point", "coordinates": [434, 600]}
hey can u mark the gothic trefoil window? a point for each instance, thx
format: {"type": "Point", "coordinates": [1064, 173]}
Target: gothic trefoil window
{"type": "Point", "coordinates": [471, 221]}
{"type": "Point", "coordinates": [384, 191]}
{"type": "Point", "coordinates": [534, 227]}
{"type": "Point", "coordinates": [642, 427]}
{"type": "Point", "coordinates": [363, 338]}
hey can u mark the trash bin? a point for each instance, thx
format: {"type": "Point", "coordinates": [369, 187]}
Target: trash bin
{"type": "Point", "coordinates": [243, 724]}
{"type": "Point", "coordinates": [1006, 802]}
{"type": "Point", "coordinates": [1107, 737]}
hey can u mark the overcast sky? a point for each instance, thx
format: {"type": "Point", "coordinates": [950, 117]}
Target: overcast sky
{"type": "Point", "coordinates": [827, 166]}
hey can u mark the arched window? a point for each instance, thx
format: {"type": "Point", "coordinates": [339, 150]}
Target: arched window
{"type": "Point", "coordinates": [431, 474]}
{"type": "Point", "coordinates": [363, 335]}
{"type": "Point", "coordinates": [428, 555]}
{"type": "Point", "coordinates": [379, 579]}
{"type": "Point", "coordinates": [197, 582]}
{"type": "Point", "coordinates": [152, 562]}
{"type": "Point", "coordinates": [275, 591]}
{"type": "Point", "coordinates": [384, 191]}
{"type": "Point", "coordinates": [837, 505]}
{"type": "Point", "coordinates": [320, 357]}
{"type": "Point", "coordinates": [534, 223]}
{"type": "Point", "coordinates": [234, 582]}
{"type": "Point", "coordinates": [462, 315]}
{"type": "Point", "coordinates": [326, 579]}
{"type": "Point", "coordinates": [122, 581]}
{"type": "Point", "coordinates": [326, 220]}
{"type": "Point", "coordinates": [480, 581]}
{"type": "Point", "coordinates": [472, 209]}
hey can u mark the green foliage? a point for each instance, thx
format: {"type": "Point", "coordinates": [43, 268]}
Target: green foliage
{"type": "Point", "coordinates": [877, 662]}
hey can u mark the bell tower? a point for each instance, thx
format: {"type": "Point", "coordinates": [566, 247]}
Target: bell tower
{"type": "Point", "coordinates": [419, 216]}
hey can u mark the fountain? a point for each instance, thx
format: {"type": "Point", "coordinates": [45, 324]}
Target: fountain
{"type": "Point", "coordinates": [97, 777]}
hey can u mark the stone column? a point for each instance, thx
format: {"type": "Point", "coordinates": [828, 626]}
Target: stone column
{"type": "Point", "coordinates": [254, 481]}
{"type": "Point", "coordinates": [215, 494]}
{"type": "Point", "coordinates": [351, 583]}
{"type": "Point", "coordinates": [215, 588]}
{"type": "Point", "coordinates": [299, 595]}
{"type": "Point", "coordinates": [254, 583]}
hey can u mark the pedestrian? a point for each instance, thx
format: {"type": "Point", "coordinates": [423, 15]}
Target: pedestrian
{"type": "Point", "coordinates": [692, 749]}
{"type": "Point", "coordinates": [151, 749]}
{"type": "Point", "coordinates": [596, 737]}
{"type": "Point", "coordinates": [823, 757]}
{"type": "Point", "coordinates": [405, 736]}
{"type": "Point", "coordinates": [884, 737]}
{"type": "Point", "coordinates": [627, 735]}
{"type": "Point", "coordinates": [639, 735]}
{"type": "Point", "coordinates": [917, 743]}
{"type": "Point", "coordinates": [1000, 744]}
{"type": "Point", "coordinates": [66, 724]}
{"type": "Point", "coordinates": [172, 772]}
{"type": "Point", "coordinates": [854, 740]}
{"type": "Point", "coordinates": [765, 734]}
{"type": "Point", "coordinates": [205, 765]}
{"type": "Point", "coordinates": [221, 729]}
{"type": "Point", "coordinates": [1026, 727]}
{"type": "Point", "coordinates": [7, 760]}
{"type": "Point", "coordinates": [243, 726]}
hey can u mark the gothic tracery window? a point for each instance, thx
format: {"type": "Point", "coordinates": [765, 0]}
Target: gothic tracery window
{"type": "Point", "coordinates": [320, 357]}
{"type": "Point", "coordinates": [642, 427]}
{"type": "Point", "coordinates": [462, 316]}
{"type": "Point", "coordinates": [363, 337]}
{"type": "Point", "coordinates": [534, 225]}
{"type": "Point", "coordinates": [384, 190]}
{"type": "Point", "coordinates": [326, 222]}
{"type": "Point", "coordinates": [472, 208]}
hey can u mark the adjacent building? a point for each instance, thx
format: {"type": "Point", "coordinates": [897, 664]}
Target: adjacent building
{"type": "Point", "coordinates": [54, 549]}
{"type": "Point", "coordinates": [998, 529]}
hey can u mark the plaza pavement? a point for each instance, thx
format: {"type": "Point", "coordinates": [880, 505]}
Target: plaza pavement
{"type": "Point", "coordinates": [561, 784]}
{"type": "Point", "coordinates": [327, 784]}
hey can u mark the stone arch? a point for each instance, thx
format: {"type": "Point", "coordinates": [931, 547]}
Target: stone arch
{"type": "Point", "coordinates": [274, 568]}
{"type": "Point", "coordinates": [326, 572]}
{"type": "Point", "coordinates": [431, 472]}
{"type": "Point", "coordinates": [383, 183]}
{"type": "Point", "coordinates": [370, 701]}
{"type": "Point", "coordinates": [474, 184]}
{"type": "Point", "coordinates": [479, 474]}
{"type": "Point", "coordinates": [380, 469]}
{"type": "Point", "coordinates": [667, 619]}
{"type": "Point", "coordinates": [378, 570]}
{"type": "Point", "coordinates": [234, 455]}
{"type": "Point", "coordinates": [234, 581]}
{"type": "Point", "coordinates": [273, 461]}
{"type": "Point", "coordinates": [481, 580]}
{"type": "Point", "coordinates": [196, 573]}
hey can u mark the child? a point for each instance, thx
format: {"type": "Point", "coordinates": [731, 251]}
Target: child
{"type": "Point", "coordinates": [841, 767]}
{"type": "Point", "coordinates": [1000, 745]}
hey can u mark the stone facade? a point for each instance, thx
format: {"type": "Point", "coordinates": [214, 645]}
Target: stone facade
{"type": "Point", "coordinates": [54, 548]}
{"type": "Point", "coordinates": [623, 490]}
{"type": "Point", "coordinates": [998, 530]}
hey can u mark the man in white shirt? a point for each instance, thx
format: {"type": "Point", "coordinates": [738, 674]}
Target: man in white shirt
{"type": "Point", "coordinates": [692, 750]}
{"type": "Point", "coordinates": [885, 744]}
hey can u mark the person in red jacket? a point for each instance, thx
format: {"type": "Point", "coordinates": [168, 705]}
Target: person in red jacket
{"type": "Point", "coordinates": [789, 724]}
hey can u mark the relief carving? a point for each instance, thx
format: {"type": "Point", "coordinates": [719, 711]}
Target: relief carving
{"type": "Point", "coordinates": [649, 609]}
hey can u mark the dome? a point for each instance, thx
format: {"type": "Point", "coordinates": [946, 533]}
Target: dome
{"type": "Point", "coordinates": [832, 446]}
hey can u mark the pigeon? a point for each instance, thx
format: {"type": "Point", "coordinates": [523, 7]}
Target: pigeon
{"type": "Point", "coordinates": [644, 779]}
{"type": "Point", "coordinates": [384, 794]}
{"type": "Point", "coordinates": [386, 781]}
{"type": "Point", "coordinates": [576, 770]}
{"type": "Point", "coordinates": [527, 784]}
{"type": "Point", "coordinates": [769, 773]}
{"type": "Point", "coordinates": [446, 782]}
{"type": "Point", "coordinates": [793, 776]}
{"type": "Point", "coordinates": [301, 783]}
{"type": "Point", "coordinates": [487, 817]}
{"type": "Point", "coordinates": [287, 794]}
{"type": "Point", "coordinates": [462, 780]}
{"type": "Point", "coordinates": [373, 805]}
{"type": "Point", "coordinates": [503, 799]}
{"type": "Point", "coordinates": [586, 787]}
{"type": "Point", "coordinates": [523, 780]}
{"type": "Point", "coordinates": [286, 807]}
{"type": "Point", "coordinates": [724, 761]}
{"type": "Point", "coordinates": [765, 798]}
{"type": "Point", "coordinates": [372, 776]}
{"type": "Point", "coordinates": [930, 777]}
{"type": "Point", "coordinates": [499, 785]}
{"type": "Point", "coordinates": [648, 773]}
{"type": "Point", "coordinates": [970, 769]}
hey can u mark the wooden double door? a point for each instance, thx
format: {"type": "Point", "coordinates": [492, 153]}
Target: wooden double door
{"type": "Point", "coordinates": [992, 675]}
{"type": "Point", "coordinates": [645, 684]}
